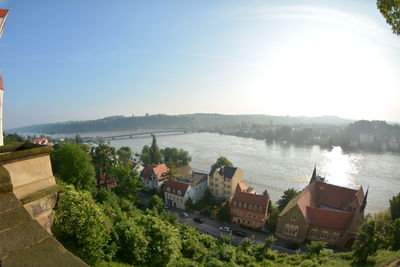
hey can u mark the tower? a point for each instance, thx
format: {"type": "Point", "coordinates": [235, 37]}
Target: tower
{"type": "Point", "coordinates": [3, 17]}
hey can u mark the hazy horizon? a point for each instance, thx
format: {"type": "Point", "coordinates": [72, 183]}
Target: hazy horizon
{"type": "Point", "coordinates": [71, 60]}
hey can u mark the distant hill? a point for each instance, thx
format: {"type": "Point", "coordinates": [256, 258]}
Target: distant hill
{"type": "Point", "coordinates": [198, 121]}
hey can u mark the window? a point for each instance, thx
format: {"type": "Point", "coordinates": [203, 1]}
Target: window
{"type": "Point", "coordinates": [313, 232]}
{"type": "Point", "coordinates": [235, 204]}
{"type": "Point", "coordinates": [255, 208]}
{"type": "Point", "coordinates": [324, 234]}
{"type": "Point", "coordinates": [168, 189]}
{"type": "Point", "coordinates": [335, 236]}
{"type": "Point", "coordinates": [211, 184]}
{"type": "Point", "coordinates": [245, 206]}
{"type": "Point", "coordinates": [291, 229]}
{"type": "Point", "coordinates": [293, 218]}
{"type": "Point", "coordinates": [260, 209]}
{"type": "Point", "coordinates": [239, 204]}
{"type": "Point", "coordinates": [173, 191]}
{"type": "Point", "coordinates": [179, 192]}
{"type": "Point", "coordinates": [250, 207]}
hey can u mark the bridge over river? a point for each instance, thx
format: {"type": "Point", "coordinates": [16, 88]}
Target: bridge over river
{"type": "Point", "coordinates": [139, 134]}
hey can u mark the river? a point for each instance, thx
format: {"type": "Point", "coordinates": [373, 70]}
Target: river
{"type": "Point", "coordinates": [278, 167]}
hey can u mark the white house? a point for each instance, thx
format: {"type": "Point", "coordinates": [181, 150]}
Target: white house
{"type": "Point", "coordinates": [153, 177]}
{"type": "Point", "coordinates": [178, 192]}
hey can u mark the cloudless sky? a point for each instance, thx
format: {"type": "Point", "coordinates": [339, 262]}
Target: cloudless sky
{"type": "Point", "coordinates": [76, 60]}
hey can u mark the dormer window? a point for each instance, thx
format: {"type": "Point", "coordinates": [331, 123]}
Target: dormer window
{"type": "Point", "coordinates": [245, 206]}
{"type": "Point", "coordinates": [168, 189]}
{"type": "Point", "coordinates": [179, 192]}
{"type": "Point", "coordinates": [260, 209]}
{"type": "Point", "coordinates": [235, 203]}
{"type": "Point", "coordinates": [250, 207]}
{"type": "Point", "coordinates": [255, 208]}
{"type": "Point", "coordinates": [240, 204]}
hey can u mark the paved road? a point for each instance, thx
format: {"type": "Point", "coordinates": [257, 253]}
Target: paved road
{"type": "Point", "coordinates": [211, 227]}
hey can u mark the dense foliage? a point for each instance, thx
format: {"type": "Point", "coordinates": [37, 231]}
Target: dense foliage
{"type": "Point", "coordinates": [288, 195]}
{"type": "Point", "coordinates": [13, 138]}
{"type": "Point", "coordinates": [222, 161]}
{"type": "Point", "coordinates": [73, 165]}
{"type": "Point", "coordinates": [390, 9]}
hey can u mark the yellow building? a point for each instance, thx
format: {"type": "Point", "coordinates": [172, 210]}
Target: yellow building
{"type": "Point", "coordinates": [223, 180]}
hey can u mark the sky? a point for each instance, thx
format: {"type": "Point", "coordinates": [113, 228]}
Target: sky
{"type": "Point", "coordinates": [78, 60]}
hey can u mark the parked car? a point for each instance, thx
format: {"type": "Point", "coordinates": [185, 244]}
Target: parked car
{"type": "Point", "coordinates": [184, 215]}
{"type": "Point", "coordinates": [198, 220]}
{"type": "Point", "coordinates": [239, 233]}
{"type": "Point", "coordinates": [225, 229]}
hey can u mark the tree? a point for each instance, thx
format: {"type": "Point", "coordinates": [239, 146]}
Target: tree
{"type": "Point", "coordinates": [124, 153]}
{"type": "Point", "coordinates": [222, 161]}
{"type": "Point", "coordinates": [189, 204]}
{"type": "Point", "coordinates": [365, 244]}
{"type": "Point", "coordinates": [128, 182]}
{"type": "Point", "coordinates": [288, 195]}
{"type": "Point", "coordinates": [78, 139]}
{"type": "Point", "coordinates": [156, 203]}
{"type": "Point", "coordinates": [315, 247]}
{"type": "Point", "coordinates": [265, 193]}
{"type": "Point", "coordinates": [176, 157]}
{"type": "Point", "coordinates": [396, 234]}
{"type": "Point", "coordinates": [390, 9]}
{"type": "Point", "coordinates": [154, 152]}
{"type": "Point", "coordinates": [395, 207]}
{"type": "Point", "coordinates": [80, 225]}
{"type": "Point", "coordinates": [104, 157]}
{"type": "Point", "coordinates": [73, 165]}
{"type": "Point", "coordinates": [13, 138]}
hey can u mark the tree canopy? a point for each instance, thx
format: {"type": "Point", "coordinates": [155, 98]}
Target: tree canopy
{"type": "Point", "coordinates": [288, 195]}
{"type": "Point", "coordinates": [222, 161]}
{"type": "Point", "coordinates": [73, 165]}
{"type": "Point", "coordinates": [390, 9]}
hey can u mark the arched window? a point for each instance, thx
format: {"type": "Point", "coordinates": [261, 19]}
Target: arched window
{"type": "Point", "coordinates": [235, 203]}
{"type": "Point", "coordinates": [260, 209]}
{"type": "Point", "coordinates": [250, 207]}
{"type": "Point", "coordinates": [239, 204]}
{"type": "Point", "coordinates": [245, 206]}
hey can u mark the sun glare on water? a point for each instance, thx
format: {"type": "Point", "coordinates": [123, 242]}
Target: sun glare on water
{"type": "Point", "coordinates": [339, 168]}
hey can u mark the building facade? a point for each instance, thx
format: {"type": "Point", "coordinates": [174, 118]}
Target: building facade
{"type": "Point", "coordinates": [153, 177]}
{"type": "Point", "coordinates": [248, 208]}
{"type": "Point", "coordinates": [323, 212]}
{"type": "Point", "coordinates": [178, 192]}
{"type": "Point", "coordinates": [223, 180]}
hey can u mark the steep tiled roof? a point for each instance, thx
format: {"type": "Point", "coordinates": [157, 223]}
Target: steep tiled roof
{"type": "Point", "coordinates": [175, 186]}
{"type": "Point", "coordinates": [253, 199]}
{"type": "Point", "coordinates": [159, 170]}
{"type": "Point", "coordinates": [3, 12]}
{"type": "Point", "coordinates": [227, 172]}
{"type": "Point", "coordinates": [242, 187]}
{"type": "Point", "coordinates": [329, 218]}
{"type": "Point", "coordinates": [327, 205]}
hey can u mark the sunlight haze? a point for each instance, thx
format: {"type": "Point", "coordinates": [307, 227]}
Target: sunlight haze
{"type": "Point", "coordinates": [87, 60]}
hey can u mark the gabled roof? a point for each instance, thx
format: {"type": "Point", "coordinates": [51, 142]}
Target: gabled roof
{"type": "Point", "coordinates": [3, 16]}
{"type": "Point", "coordinates": [242, 187]}
{"type": "Point", "coordinates": [175, 186]}
{"type": "Point", "coordinates": [159, 171]}
{"type": "Point", "coordinates": [225, 171]}
{"type": "Point", "coordinates": [327, 205]}
{"type": "Point", "coordinates": [253, 199]}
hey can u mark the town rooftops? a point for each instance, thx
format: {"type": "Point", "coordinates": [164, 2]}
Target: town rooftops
{"type": "Point", "coordinates": [176, 187]}
{"type": "Point", "coordinates": [159, 171]}
{"type": "Point", "coordinates": [195, 178]}
{"type": "Point", "coordinates": [225, 171]}
{"type": "Point", "coordinates": [242, 187]}
{"type": "Point", "coordinates": [328, 205]}
{"type": "Point", "coordinates": [251, 199]}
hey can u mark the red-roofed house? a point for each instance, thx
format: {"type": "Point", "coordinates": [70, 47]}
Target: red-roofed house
{"type": "Point", "coordinates": [42, 141]}
{"type": "Point", "coordinates": [154, 176]}
{"type": "Point", "coordinates": [323, 212]}
{"type": "Point", "coordinates": [248, 208]}
{"type": "Point", "coordinates": [178, 192]}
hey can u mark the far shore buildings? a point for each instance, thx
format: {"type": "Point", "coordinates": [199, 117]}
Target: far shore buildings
{"type": "Point", "coordinates": [223, 180]}
{"type": "Point", "coordinates": [248, 208]}
{"type": "Point", "coordinates": [153, 177]}
{"type": "Point", "coordinates": [178, 192]}
{"type": "Point", "coordinates": [323, 212]}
